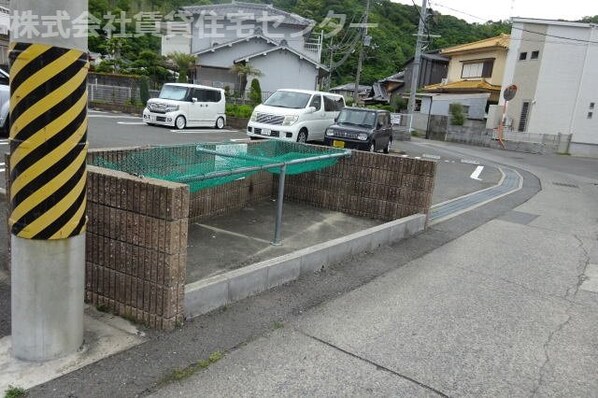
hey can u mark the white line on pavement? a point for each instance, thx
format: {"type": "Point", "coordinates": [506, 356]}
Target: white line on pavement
{"type": "Point", "coordinates": [467, 161]}
{"type": "Point", "coordinates": [131, 123]}
{"type": "Point", "coordinates": [3, 142]}
{"type": "Point", "coordinates": [476, 173]}
{"type": "Point", "coordinates": [114, 116]}
{"type": "Point", "coordinates": [210, 131]}
{"type": "Point", "coordinates": [240, 139]}
{"type": "Point", "coordinates": [425, 155]}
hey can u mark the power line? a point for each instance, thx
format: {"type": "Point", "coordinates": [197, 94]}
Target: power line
{"type": "Point", "coordinates": [523, 29]}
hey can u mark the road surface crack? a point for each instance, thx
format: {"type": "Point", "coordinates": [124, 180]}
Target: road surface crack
{"type": "Point", "coordinates": [378, 366]}
{"type": "Point", "coordinates": [583, 265]}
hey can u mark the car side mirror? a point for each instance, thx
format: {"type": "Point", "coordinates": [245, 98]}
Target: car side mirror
{"type": "Point", "coordinates": [194, 99]}
{"type": "Point", "coordinates": [311, 109]}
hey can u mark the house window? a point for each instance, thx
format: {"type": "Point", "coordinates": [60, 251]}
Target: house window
{"type": "Point", "coordinates": [535, 55]}
{"type": "Point", "coordinates": [418, 105]}
{"type": "Point", "coordinates": [523, 117]}
{"type": "Point", "coordinates": [592, 105]}
{"type": "Point", "coordinates": [590, 114]}
{"type": "Point", "coordinates": [477, 69]}
{"type": "Point", "coordinates": [522, 56]}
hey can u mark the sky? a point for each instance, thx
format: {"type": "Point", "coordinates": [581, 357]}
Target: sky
{"type": "Point", "coordinates": [481, 11]}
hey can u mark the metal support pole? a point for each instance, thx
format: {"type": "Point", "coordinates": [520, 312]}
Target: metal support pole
{"type": "Point", "coordinates": [48, 149]}
{"type": "Point", "coordinates": [279, 202]}
{"type": "Point", "coordinates": [361, 54]}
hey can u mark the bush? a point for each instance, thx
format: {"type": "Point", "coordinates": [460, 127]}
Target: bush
{"type": "Point", "coordinates": [236, 110]}
{"type": "Point", "coordinates": [457, 115]}
{"type": "Point", "coordinates": [349, 101]}
{"type": "Point", "coordinates": [144, 94]}
{"type": "Point", "coordinates": [398, 103]}
{"type": "Point", "coordinates": [255, 93]}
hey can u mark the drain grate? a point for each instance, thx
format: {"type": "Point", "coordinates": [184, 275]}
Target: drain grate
{"type": "Point", "coordinates": [564, 184]}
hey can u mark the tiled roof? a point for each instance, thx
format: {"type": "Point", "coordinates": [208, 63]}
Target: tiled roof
{"type": "Point", "coordinates": [462, 85]}
{"type": "Point", "coordinates": [258, 10]}
{"type": "Point", "coordinates": [501, 41]}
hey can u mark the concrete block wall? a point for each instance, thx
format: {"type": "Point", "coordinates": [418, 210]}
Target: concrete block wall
{"type": "Point", "coordinates": [231, 197]}
{"type": "Point", "coordinates": [136, 247]}
{"type": "Point", "coordinates": [367, 184]}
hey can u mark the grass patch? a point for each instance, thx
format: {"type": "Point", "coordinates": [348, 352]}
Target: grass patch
{"type": "Point", "coordinates": [14, 392]}
{"type": "Point", "coordinates": [277, 325]}
{"type": "Point", "coordinates": [183, 373]}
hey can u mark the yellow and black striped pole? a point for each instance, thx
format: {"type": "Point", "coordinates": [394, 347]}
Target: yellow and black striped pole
{"type": "Point", "coordinates": [48, 148]}
{"type": "Point", "coordinates": [48, 141]}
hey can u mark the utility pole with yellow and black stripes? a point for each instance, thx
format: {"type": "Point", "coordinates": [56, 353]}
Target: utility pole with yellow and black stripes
{"type": "Point", "coordinates": [48, 148]}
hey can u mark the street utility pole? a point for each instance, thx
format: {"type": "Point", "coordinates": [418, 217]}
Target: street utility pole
{"type": "Point", "coordinates": [48, 150]}
{"type": "Point", "coordinates": [417, 59]}
{"type": "Point", "coordinates": [364, 43]}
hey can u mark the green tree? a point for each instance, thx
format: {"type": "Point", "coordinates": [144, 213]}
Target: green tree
{"type": "Point", "coordinates": [184, 63]}
{"type": "Point", "coordinates": [457, 115]}
{"type": "Point", "coordinates": [255, 93]}
{"type": "Point", "coordinates": [244, 71]}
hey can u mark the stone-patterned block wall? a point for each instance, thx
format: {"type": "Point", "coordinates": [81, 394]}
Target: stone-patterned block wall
{"type": "Point", "coordinates": [136, 249]}
{"type": "Point", "coordinates": [367, 185]}
{"type": "Point", "coordinates": [231, 197]}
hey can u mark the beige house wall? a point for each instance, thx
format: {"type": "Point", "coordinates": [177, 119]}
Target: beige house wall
{"type": "Point", "coordinates": [456, 64]}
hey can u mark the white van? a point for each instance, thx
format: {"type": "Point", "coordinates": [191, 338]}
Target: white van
{"type": "Point", "coordinates": [187, 105]}
{"type": "Point", "coordinates": [295, 115]}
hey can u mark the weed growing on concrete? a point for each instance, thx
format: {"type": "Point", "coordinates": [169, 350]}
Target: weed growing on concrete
{"type": "Point", "coordinates": [14, 392]}
{"type": "Point", "coordinates": [180, 374]}
{"type": "Point", "coordinates": [277, 325]}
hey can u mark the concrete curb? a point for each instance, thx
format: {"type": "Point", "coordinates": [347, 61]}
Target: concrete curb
{"type": "Point", "coordinates": [209, 294]}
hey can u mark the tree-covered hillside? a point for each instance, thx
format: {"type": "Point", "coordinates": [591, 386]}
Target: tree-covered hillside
{"type": "Point", "coordinates": [393, 39]}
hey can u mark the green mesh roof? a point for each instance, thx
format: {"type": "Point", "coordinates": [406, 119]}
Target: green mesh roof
{"type": "Point", "coordinates": [207, 165]}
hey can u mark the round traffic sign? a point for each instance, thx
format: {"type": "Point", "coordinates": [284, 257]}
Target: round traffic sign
{"type": "Point", "coordinates": [510, 92]}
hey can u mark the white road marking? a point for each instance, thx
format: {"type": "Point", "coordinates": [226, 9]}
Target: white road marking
{"type": "Point", "coordinates": [240, 139]}
{"type": "Point", "coordinates": [209, 131]}
{"type": "Point", "coordinates": [3, 142]}
{"type": "Point", "coordinates": [223, 231]}
{"type": "Point", "coordinates": [425, 155]}
{"type": "Point", "coordinates": [417, 157]}
{"type": "Point", "coordinates": [467, 161]}
{"type": "Point", "coordinates": [476, 173]}
{"type": "Point", "coordinates": [131, 123]}
{"type": "Point", "coordinates": [2, 170]}
{"type": "Point", "coordinates": [114, 116]}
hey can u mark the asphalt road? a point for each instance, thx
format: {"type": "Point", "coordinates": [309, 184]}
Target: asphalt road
{"type": "Point", "coordinates": [117, 130]}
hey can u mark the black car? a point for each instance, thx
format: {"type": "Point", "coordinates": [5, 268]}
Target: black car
{"type": "Point", "coordinates": [361, 128]}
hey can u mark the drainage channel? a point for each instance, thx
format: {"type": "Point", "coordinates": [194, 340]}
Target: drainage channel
{"type": "Point", "coordinates": [510, 182]}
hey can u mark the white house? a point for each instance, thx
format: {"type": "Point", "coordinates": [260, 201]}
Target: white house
{"type": "Point", "coordinates": [274, 41]}
{"type": "Point", "coordinates": [554, 65]}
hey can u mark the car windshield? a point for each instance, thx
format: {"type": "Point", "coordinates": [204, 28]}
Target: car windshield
{"type": "Point", "coordinates": [176, 93]}
{"type": "Point", "coordinates": [357, 118]}
{"type": "Point", "coordinates": [288, 99]}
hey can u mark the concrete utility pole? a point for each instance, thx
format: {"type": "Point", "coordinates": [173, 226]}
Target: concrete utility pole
{"type": "Point", "coordinates": [417, 59]}
{"type": "Point", "coordinates": [48, 149]}
{"type": "Point", "coordinates": [364, 43]}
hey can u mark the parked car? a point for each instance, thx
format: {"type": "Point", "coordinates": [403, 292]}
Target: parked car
{"type": "Point", "coordinates": [295, 115]}
{"type": "Point", "coordinates": [361, 128]}
{"type": "Point", "coordinates": [4, 104]}
{"type": "Point", "coordinates": [182, 105]}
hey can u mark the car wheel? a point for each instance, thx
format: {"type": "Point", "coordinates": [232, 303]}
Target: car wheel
{"type": "Point", "coordinates": [373, 146]}
{"type": "Point", "coordinates": [180, 122]}
{"type": "Point", "coordinates": [220, 123]}
{"type": "Point", "coordinates": [388, 146]}
{"type": "Point", "coordinates": [302, 136]}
